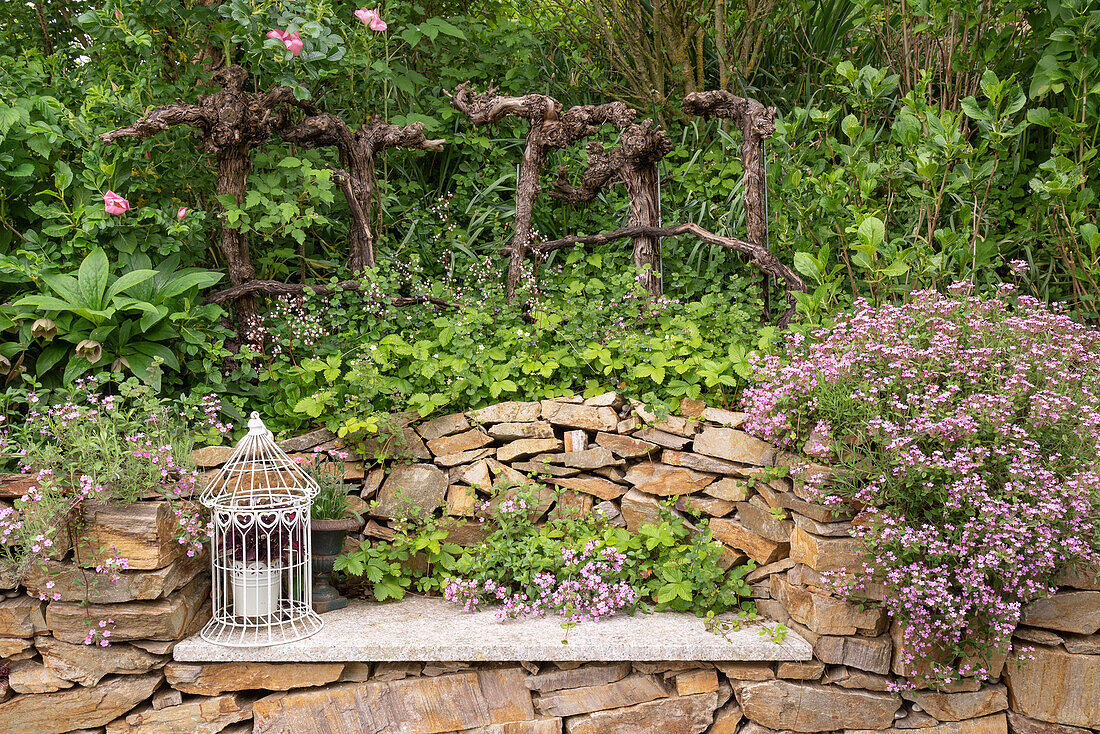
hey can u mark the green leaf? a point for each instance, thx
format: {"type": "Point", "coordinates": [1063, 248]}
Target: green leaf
{"type": "Point", "coordinates": [187, 281]}
{"type": "Point", "coordinates": [806, 264]}
{"type": "Point", "coordinates": [128, 280]}
{"type": "Point", "coordinates": [872, 232]}
{"type": "Point", "coordinates": [92, 278]}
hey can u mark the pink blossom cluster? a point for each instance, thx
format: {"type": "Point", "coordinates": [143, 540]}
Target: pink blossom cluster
{"type": "Point", "coordinates": [968, 431]}
{"type": "Point", "coordinates": [587, 587]}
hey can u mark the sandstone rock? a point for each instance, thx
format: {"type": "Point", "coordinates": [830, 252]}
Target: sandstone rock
{"type": "Point", "coordinates": [397, 442]}
{"type": "Point", "coordinates": [1081, 576]}
{"type": "Point", "coordinates": [747, 670]}
{"type": "Point", "coordinates": [851, 678]}
{"type": "Point", "coordinates": [513, 431]}
{"type": "Point", "coordinates": [165, 697]}
{"type": "Point", "coordinates": [535, 726]}
{"type": "Point", "coordinates": [803, 472]}
{"type": "Point", "coordinates": [733, 445]}
{"type": "Point", "coordinates": [463, 457]}
{"type": "Point", "coordinates": [390, 670]}
{"type": "Point", "coordinates": [872, 654]}
{"type": "Point", "coordinates": [995, 724]}
{"type": "Point", "coordinates": [728, 489]}
{"type": "Point", "coordinates": [814, 510]}
{"type": "Point", "coordinates": [1020, 724]}
{"type": "Point", "coordinates": [727, 418]}
{"type": "Point", "coordinates": [444, 425]}
{"type": "Point", "coordinates": [88, 664]}
{"type": "Point", "coordinates": [461, 500]}
{"type": "Point", "coordinates": [595, 486]}
{"type": "Point", "coordinates": [639, 508]}
{"type": "Point", "coordinates": [1067, 611]}
{"type": "Point", "coordinates": [476, 474]}
{"type": "Point", "coordinates": [633, 689]}
{"type": "Point", "coordinates": [1038, 636]}
{"type": "Point", "coordinates": [211, 679]}
{"type": "Point", "coordinates": [696, 681]}
{"type": "Point", "coordinates": [79, 584]}
{"type": "Point", "coordinates": [141, 532]}
{"type": "Point", "coordinates": [808, 670]}
{"type": "Point", "coordinates": [585, 417]}
{"type": "Point", "coordinates": [759, 520]}
{"type": "Point", "coordinates": [575, 440]}
{"type": "Point", "coordinates": [541, 466]}
{"type": "Point", "coordinates": [590, 459]}
{"type": "Point", "coordinates": [702, 504]}
{"type": "Point", "coordinates": [211, 456]}
{"type": "Point", "coordinates": [467, 441]}
{"type": "Point", "coordinates": [449, 703]}
{"type": "Point", "coordinates": [606, 400]}
{"type": "Point", "coordinates": [587, 675]}
{"type": "Point", "coordinates": [680, 715]}
{"type": "Point", "coordinates": [510, 412]}
{"type": "Point", "coordinates": [611, 511]}
{"type": "Point", "coordinates": [572, 504]}
{"type": "Point", "coordinates": [527, 447]}
{"type": "Point", "coordinates": [736, 535]}
{"type": "Point", "coordinates": [372, 482]}
{"type": "Point", "coordinates": [307, 440]}
{"type": "Point", "coordinates": [914, 719]}
{"type": "Point", "coordinates": [702, 463]}
{"type": "Point", "coordinates": [841, 529]}
{"type": "Point", "coordinates": [31, 676]}
{"type": "Point", "coordinates": [411, 486]}
{"type": "Point", "coordinates": [826, 615]}
{"type": "Point", "coordinates": [1056, 686]}
{"type": "Point", "coordinates": [164, 619]}
{"type": "Point", "coordinates": [21, 616]}
{"type": "Point", "coordinates": [960, 706]}
{"type": "Point", "coordinates": [661, 438]}
{"type": "Point", "coordinates": [11, 646]}
{"type": "Point", "coordinates": [664, 480]}
{"type": "Point", "coordinates": [197, 716]}
{"type": "Point", "coordinates": [762, 572]}
{"type": "Point", "coordinates": [625, 446]}
{"type": "Point", "coordinates": [506, 696]}
{"type": "Point", "coordinates": [826, 554]}
{"type": "Point", "coordinates": [77, 707]}
{"type": "Point", "coordinates": [812, 707]}
{"type": "Point", "coordinates": [1083, 644]}
{"type": "Point", "coordinates": [803, 575]}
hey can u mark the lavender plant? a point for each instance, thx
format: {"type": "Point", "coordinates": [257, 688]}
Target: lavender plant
{"type": "Point", "coordinates": [968, 429]}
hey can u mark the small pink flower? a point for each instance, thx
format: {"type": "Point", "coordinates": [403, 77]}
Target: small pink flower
{"type": "Point", "coordinates": [181, 213]}
{"type": "Point", "coordinates": [371, 19]}
{"type": "Point", "coordinates": [292, 41]}
{"type": "Point", "coordinates": [115, 204]}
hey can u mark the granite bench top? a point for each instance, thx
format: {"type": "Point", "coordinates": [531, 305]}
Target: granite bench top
{"type": "Point", "coordinates": [419, 629]}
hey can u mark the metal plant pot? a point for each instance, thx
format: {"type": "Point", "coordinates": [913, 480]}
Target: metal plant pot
{"type": "Point", "coordinates": [328, 540]}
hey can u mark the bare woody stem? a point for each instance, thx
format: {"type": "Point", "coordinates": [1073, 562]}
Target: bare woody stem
{"type": "Point", "coordinates": [549, 128]}
{"type": "Point", "coordinates": [757, 124]}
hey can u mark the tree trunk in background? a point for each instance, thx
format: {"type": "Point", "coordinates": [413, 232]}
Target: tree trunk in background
{"type": "Point", "coordinates": [234, 165]}
{"type": "Point", "coordinates": [641, 189]}
{"type": "Point", "coordinates": [527, 191]}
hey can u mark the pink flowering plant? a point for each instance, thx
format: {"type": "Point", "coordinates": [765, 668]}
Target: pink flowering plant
{"type": "Point", "coordinates": [91, 445]}
{"type": "Point", "coordinates": [967, 432]}
{"type": "Point", "coordinates": [581, 568]}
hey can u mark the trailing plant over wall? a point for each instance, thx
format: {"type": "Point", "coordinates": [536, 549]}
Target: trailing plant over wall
{"type": "Point", "coordinates": [968, 429]}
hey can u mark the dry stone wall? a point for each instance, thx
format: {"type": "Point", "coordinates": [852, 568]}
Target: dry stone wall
{"type": "Point", "coordinates": [610, 456]}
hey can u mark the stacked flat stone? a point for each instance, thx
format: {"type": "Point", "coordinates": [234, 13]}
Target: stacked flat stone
{"type": "Point", "coordinates": [609, 455]}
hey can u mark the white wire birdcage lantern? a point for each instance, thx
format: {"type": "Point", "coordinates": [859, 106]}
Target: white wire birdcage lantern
{"type": "Point", "coordinates": [261, 555]}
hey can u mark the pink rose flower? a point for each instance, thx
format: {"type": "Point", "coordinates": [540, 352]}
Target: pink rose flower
{"type": "Point", "coordinates": [115, 204]}
{"type": "Point", "coordinates": [371, 19]}
{"type": "Point", "coordinates": [292, 41]}
{"type": "Point", "coordinates": [181, 213]}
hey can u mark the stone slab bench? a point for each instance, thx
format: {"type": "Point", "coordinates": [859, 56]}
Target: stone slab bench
{"type": "Point", "coordinates": [419, 629]}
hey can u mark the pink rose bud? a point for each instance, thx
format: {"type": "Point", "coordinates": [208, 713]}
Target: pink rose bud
{"type": "Point", "coordinates": [115, 204]}
{"type": "Point", "coordinates": [371, 19]}
{"type": "Point", "coordinates": [181, 213]}
{"type": "Point", "coordinates": [276, 34]}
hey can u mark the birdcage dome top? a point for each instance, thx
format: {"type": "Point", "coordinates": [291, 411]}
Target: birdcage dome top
{"type": "Point", "coordinates": [258, 473]}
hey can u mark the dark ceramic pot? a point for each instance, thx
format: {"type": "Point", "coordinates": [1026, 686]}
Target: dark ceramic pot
{"type": "Point", "coordinates": [328, 540]}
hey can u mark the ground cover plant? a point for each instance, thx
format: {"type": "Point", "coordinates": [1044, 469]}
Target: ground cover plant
{"type": "Point", "coordinates": [968, 430]}
{"type": "Point", "coordinates": [576, 566]}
